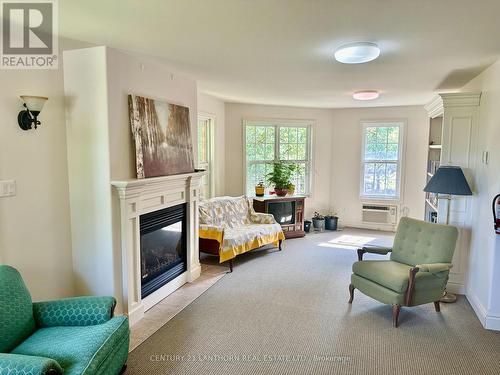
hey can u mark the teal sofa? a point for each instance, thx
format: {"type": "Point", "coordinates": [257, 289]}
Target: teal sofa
{"type": "Point", "coordinates": [68, 336]}
{"type": "Point", "coordinates": [417, 271]}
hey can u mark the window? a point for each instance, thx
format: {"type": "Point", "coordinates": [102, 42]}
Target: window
{"type": "Point", "coordinates": [267, 142]}
{"type": "Point", "coordinates": [205, 153]}
{"type": "Point", "coordinates": [381, 160]}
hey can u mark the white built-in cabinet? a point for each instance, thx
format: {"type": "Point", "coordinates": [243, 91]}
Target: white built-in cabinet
{"type": "Point", "coordinates": [455, 115]}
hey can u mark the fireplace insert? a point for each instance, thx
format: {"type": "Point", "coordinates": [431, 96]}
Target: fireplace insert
{"type": "Point", "coordinates": [163, 247]}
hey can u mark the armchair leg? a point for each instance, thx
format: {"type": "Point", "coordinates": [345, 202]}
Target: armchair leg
{"type": "Point", "coordinates": [230, 265]}
{"type": "Point", "coordinates": [437, 306]}
{"type": "Point", "coordinates": [395, 314]}
{"type": "Point", "coordinates": [279, 244]}
{"type": "Point", "coordinates": [351, 292]}
{"type": "Point", "coordinates": [124, 368]}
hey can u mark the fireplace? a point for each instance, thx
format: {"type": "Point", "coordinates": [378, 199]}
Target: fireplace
{"type": "Point", "coordinates": [162, 247]}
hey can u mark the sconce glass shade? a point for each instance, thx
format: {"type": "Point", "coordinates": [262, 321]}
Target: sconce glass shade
{"type": "Point", "coordinates": [34, 103]}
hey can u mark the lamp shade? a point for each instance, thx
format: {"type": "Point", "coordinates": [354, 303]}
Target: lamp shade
{"type": "Point", "coordinates": [34, 103]}
{"type": "Point", "coordinates": [448, 179]}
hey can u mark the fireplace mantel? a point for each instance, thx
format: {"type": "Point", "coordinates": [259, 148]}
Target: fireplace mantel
{"type": "Point", "coordinates": [140, 196]}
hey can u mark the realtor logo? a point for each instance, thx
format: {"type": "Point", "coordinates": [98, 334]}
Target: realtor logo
{"type": "Point", "coordinates": [29, 34]}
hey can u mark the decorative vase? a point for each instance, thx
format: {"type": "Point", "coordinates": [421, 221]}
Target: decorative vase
{"type": "Point", "coordinates": [281, 192]}
{"type": "Point", "coordinates": [291, 189]}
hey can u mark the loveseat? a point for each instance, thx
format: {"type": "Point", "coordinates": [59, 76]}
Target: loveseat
{"type": "Point", "coordinates": [70, 336]}
{"type": "Point", "coordinates": [229, 226]}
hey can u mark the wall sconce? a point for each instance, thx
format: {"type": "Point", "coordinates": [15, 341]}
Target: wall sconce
{"type": "Point", "coordinates": [33, 104]}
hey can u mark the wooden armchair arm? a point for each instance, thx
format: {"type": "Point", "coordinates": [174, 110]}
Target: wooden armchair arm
{"type": "Point", "coordinates": [373, 250]}
{"type": "Point", "coordinates": [411, 286]}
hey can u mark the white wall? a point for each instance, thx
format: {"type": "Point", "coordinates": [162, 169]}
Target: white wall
{"type": "Point", "coordinates": [97, 83]}
{"type": "Point", "coordinates": [337, 154]}
{"type": "Point", "coordinates": [346, 159]}
{"type": "Point", "coordinates": [483, 286]}
{"type": "Point", "coordinates": [215, 108]}
{"type": "Point", "coordinates": [87, 114]}
{"type": "Point", "coordinates": [34, 225]}
{"type": "Point", "coordinates": [322, 135]}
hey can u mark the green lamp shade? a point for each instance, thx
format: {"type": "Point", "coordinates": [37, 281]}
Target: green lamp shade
{"type": "Point", "coordinates": [448, 179]}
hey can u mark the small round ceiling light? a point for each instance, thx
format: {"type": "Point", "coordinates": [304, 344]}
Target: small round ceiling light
{"type": "Point", "coordinates": [357, 53]}
{"type": "Point", "coordinates": [365, 95]}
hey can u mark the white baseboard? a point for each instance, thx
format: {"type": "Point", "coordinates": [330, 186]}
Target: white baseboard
{"type": "Point", "coordinates": [491, 322]}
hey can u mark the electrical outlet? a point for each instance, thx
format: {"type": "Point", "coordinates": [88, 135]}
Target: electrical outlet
{"type": "Point", "coordinates": [7, 188]}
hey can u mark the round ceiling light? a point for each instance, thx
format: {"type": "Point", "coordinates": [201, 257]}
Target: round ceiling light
{"type": "Point", "coordinates": [357, 53]}
{"type": "Point", "coordinates": [365, 95]}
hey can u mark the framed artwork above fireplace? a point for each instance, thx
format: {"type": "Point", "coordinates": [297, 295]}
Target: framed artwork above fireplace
{"type": "Point", "coordinates": [162, 137]}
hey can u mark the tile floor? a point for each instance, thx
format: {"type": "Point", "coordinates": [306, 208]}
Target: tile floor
{"type": "Point", "coordinates": [161, 313]}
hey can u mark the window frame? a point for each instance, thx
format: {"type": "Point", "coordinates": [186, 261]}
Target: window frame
{"type": "Point", "coordinates": [277, 123]}
{"type": "Point", "coordinates": [205, 116]}
{"type": "Point", "coordinates": [402, 124]}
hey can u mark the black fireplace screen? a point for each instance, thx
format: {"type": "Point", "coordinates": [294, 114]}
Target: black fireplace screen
{"type": "Point", "coordinates": [163, 247]}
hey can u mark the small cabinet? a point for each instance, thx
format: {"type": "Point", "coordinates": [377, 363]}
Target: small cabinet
{"type": "Point", "coordinates": [288, 212]}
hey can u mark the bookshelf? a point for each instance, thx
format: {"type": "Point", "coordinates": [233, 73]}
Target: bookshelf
{"type": "Point", "coordinates": [433, 161]}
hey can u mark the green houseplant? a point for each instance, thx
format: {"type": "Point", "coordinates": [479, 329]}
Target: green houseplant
{"type": "Point", "coordinates": [318, 221]}
{"type": "Point", "coordinates": [281, 177]}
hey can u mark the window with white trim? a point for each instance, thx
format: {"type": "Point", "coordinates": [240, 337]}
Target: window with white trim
{"type": "Point", "coordinates": [268, 142]}
{"type": "Point", "coordinates": [381, 160]}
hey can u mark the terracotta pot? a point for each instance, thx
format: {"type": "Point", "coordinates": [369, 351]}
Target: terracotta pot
{"type": "Point", "coordinates": [281, 192]}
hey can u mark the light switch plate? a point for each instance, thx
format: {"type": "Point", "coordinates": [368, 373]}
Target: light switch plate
{"type": "Point", "coordinates": [486, 157]}
{"type": "Point", "coordinates": [7, 188]}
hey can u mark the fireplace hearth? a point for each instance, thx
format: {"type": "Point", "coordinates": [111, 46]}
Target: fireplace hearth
{"type": "Point", "coordinates": [162, 247]}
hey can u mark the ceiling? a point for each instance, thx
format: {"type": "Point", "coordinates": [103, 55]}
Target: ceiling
{"type": "Point", "coordinates": [281, 51]}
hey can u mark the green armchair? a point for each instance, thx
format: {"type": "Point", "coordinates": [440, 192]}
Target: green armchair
{"type": "Point", "coordinates": [417, 271]}
{"type": "Point", "coordinates": [71, 336]}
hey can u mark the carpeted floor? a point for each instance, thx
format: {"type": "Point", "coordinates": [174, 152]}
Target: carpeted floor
{"type": "Point", "coordinates": [287, 313]}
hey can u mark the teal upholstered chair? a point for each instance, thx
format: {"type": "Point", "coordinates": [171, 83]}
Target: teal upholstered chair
{"type": "Point", "coordinates": [70, 336]}
{"type": "Point", "coordinates": [417, 271]}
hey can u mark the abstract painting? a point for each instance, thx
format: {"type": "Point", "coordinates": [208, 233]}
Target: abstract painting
{"type": "Point", "coordinates": [162, 137]}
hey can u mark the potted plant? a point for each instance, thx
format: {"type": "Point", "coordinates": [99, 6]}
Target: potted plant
{"type": "Point", "coordinates": [331, 221]}
{"type": "Point", "coordinates": [318, 221]}
{"type": "Point", "coordinates": [259, 189]}
{"type": "Point", "coordinates": [281, 177]}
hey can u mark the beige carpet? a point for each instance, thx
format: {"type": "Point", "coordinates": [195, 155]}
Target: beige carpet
{"type": "Point", "coordinates": [287, 313]}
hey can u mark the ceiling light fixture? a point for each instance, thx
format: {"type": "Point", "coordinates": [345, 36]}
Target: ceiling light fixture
{"type": "Point", "coordinates": [357, 53]}
{"type": "Point", "coordinates": [365, 95]}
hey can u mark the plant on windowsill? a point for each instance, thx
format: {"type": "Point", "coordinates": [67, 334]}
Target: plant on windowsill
{"type": "Point", "coordinates": [331, 221]}
{"type": "Point", "coordinates": [281, 177]}
{"type": "Point", "coordinates": [318, 221]}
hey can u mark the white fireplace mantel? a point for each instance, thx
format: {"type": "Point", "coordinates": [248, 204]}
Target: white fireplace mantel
{"type": "Point", "coordinates": [140, 196]}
